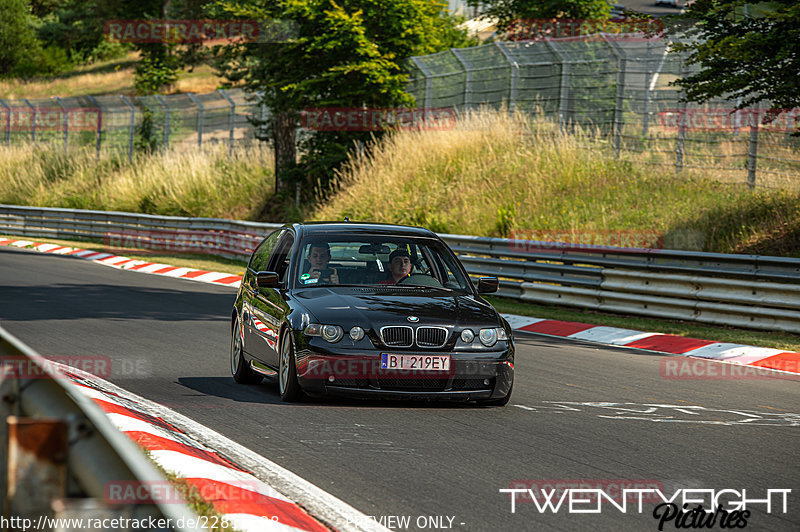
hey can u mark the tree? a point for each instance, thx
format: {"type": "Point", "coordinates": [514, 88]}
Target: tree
{"type": "Point", "coordinates": [507, 11]}
{"type": "Point", "coordinates": [19, 49]}
{"type": "Point", "coordinates": [748, 59]}
{"type": "Point", "coordinates": [346, 53]}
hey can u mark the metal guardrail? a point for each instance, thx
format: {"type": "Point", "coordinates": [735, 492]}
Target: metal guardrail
{"type": "Point", "coordinates": [755, 291]}
{"type": "Point", "coordinates": [97, 454]}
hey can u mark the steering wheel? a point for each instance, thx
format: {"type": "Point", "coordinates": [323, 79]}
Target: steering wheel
{"type": "Point", "coordinates": [420, 279]}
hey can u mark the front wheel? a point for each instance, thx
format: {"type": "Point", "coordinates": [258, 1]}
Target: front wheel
{"type": "Point", "coordinates": [288, 385]}
{"type": "Point", "coordinates": [240, 369]}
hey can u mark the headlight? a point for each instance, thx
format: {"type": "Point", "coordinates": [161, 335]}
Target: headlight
{"type": "Point", "coordinates": [489, 337]}
{"type": "Point", "coordinates": [329, 333]}
{"type": "Point", "coordinates": [467, 336]}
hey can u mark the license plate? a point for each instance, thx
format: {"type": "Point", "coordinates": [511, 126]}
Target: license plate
{"type": "Point", "coordinates": [415, 362]}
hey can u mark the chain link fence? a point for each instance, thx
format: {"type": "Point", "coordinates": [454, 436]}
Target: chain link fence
{"type": "Point", "coordinates": [617, 87]}
{"type": "Point", "coordinates": [119, 122]}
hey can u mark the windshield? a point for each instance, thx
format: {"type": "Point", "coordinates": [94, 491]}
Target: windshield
{"type": "Point", "coordinates": [378, 261]}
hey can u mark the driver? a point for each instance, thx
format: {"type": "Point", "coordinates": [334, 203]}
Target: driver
{"type": "Point", "coordinates": [319, 255]}
{"type": "Point", "coordinates": [399, 265]}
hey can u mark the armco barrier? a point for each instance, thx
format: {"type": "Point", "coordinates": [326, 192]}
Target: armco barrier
{"type": "Point", "coordinates": [97, 453]}
{"type": "Point", "coordinates": [755, 291]}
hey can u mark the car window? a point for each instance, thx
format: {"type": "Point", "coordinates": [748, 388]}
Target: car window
{"type": "Point", "coordinates": [365, 260]}
{"type": "Point", "coordinates": [279, 260]}
{"type": "Point", "coordinates": [260, 258]}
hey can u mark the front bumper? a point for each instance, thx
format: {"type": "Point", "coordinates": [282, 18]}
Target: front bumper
{"type": "Point", "coordinates": [472, 375]}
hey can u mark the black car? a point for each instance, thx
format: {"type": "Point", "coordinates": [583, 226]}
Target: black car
{"type": "Point", "coordinates": [368, 310]}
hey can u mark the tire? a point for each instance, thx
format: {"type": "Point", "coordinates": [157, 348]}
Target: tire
{"type": "Point", "coordinates": [503, 401]}
{"type": "Point", "coordinates": [240, 369]}
{"type": "Point", "coordinates": [288, 385]}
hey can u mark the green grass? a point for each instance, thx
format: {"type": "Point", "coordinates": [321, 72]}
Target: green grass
{"type": "Point", "coordinates": [497, 175]}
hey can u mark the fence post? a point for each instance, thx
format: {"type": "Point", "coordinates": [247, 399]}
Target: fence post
{"type": "Point", "coordinates": [563, 91]}
{"type": "Point", "coordinates": [99, 132]}
{"type": "Point", "coordinates": [199, 119]}
{"type": "Point", "coordinates": [164, 104]}
{"type": "Point", "coordinates": [620, 97]}
{"type": "Point", "coordinates": [131, 127]}
{"type": "Point", "coordinates": [66, 122]}
{"type": "Point", "coordinates": [752, 152]}
{"type": "Point", "coordinates": [680, 143]}
{"type": "Point", "coordinates": [33, 121]}
{"type": "Point", "coordinates": [647, 76]}
{"type": "Point", "coordinates": [468, 81]}
{"type": "Point", "coordinates": [428, 76]}
{"type": "Point", "coordinates": [8, 122]}
{"type": "Point", "coordinates": [512, 94]}
{"type": "Point", "coordinates": [231, 119]}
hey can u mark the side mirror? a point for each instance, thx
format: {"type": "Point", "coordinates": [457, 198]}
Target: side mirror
{"type": "Point", "coordinates": [267, 280]}
{"type": "Point", "coordinates": [488, 285]}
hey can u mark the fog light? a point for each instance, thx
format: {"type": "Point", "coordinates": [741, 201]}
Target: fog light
{"type": "Point", "coordinates": [486, 382]}
{"type": "Point", "coordinates": [356, 333]}
{"type": "Point", "coordinates": [331, 378]}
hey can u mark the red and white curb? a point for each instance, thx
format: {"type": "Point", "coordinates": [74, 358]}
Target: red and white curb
{"type": "Point", "coordinates": [745, 355]}
{"type": "Point", "coordinates": [245, 501]}
{"type": "Point", "coordinates": [126, 263]}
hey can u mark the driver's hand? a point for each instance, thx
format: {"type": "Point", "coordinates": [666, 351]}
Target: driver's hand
{"type": "Point", "coordinates": [314, 273]}
{"type": "Point", "coordinates": [334, 276]}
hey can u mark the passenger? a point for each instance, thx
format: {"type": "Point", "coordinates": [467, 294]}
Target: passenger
{"type": "Point", "coordinates": [399, 266]}
{"type": "Point", "coordinates": [319, 255]}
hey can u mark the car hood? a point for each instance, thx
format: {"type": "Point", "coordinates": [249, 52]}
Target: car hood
{"type": "Point", "coordinates": [348, 306]}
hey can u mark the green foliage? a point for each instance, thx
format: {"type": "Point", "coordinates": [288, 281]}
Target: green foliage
{"type": "Point", "coordinates": [349, 53]}
{"type": "Point", "coordinates": [753, 58]}
{"type": "Point", "coordinates": [506, 11]}
{"type": "Point", "coordinates": [155, 72]}
{"type": "Point", "coordinates": [19, 49]}
{"type": "Point", "coordinates": [146, 135]}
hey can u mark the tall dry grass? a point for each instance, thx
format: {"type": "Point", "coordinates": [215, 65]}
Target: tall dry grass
{"type": "Point", "coordinates": [207, 182]}
{"type": "Point", "coordinates": [497, 174]}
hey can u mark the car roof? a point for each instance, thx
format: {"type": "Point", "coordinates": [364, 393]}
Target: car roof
{"type": "Point", "coordinates": [321, 228]}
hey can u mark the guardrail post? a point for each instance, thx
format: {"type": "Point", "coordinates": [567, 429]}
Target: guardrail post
{"type": "Point", "coordinates": [33, 120]}
{"type": "Point", "coordinates": [512, 93]}
{"type": "Point", "coordinates": [164, 104]}
{"type": "Point", "coordinates": [66, 122]}
{"type": "Point", "coordinates": [37, 472]}
{"type": "Point", "coordinates": [468, 81]}
{"type": "Point", "coordinates": [99, 132]}
{"type": "Point", "coordinates": [199, 119]}
{"type": "Point", "coordinates": [8, 122]}
{"type": "Point", "coordinates": [131, 127]}
{"type": "Point", "coordinates": [231, 119]}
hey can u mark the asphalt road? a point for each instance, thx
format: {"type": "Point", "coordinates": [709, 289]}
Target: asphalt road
{"type": "Point", "coordinates": [168, 340]}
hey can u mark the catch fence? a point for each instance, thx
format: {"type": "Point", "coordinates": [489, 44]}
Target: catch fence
{"type": "Point", "coordinates": [617, 86]}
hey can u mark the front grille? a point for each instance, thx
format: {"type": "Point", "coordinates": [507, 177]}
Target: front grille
{"type": "Point", "coordinates": [431, 336]}
{"type": "Point", "coordinates": [400, 336]}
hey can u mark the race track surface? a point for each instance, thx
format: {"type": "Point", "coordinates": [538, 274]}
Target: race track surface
{"type": "Point", "coordinates": [578, 412]}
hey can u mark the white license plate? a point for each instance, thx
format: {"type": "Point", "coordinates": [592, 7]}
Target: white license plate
{"type": "Point", "coordinates": [415, 362]}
